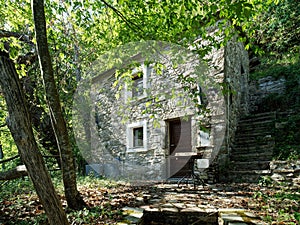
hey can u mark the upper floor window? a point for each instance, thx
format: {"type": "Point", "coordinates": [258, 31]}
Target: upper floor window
{"type": "Point", "coordinates": [139, 83]}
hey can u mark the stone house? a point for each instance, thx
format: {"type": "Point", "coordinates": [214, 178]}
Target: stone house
{"type": "Point", "coordinates": [152, 117]}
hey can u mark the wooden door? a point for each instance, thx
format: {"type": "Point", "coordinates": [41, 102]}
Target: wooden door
{"type": "Point", "coordinates": [179, 143]}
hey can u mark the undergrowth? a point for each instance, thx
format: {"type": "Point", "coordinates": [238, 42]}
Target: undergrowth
{"type": "Point", "coordinates": [278, 202]}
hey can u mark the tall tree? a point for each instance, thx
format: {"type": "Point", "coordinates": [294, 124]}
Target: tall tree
{"type": "Point", "coordinates": [19, 123]}
{"type": "Point", "coordinates": [73, 196]}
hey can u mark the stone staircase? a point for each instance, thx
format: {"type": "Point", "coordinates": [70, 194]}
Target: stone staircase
{"type": "Point", "coordinates": [252, 149]}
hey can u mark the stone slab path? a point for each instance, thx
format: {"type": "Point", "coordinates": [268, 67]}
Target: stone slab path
{"type": "Point", "coordinates": [168, 204]}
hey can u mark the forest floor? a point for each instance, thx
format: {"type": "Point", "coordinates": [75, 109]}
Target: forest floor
{"type": "Point", "coordinates": [274, 204]}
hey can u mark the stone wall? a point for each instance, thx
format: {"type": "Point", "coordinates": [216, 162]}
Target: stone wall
{"type": "Point", "coordinates": [116, 115]}
{"type": "Point", "coordinates": [286, 172]}
{"type": "Point", "coordinates": [262, 88]}
{"type": "Point", "coordinates": [236, 79]}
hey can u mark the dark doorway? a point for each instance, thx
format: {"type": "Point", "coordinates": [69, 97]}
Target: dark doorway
{"type": "Point", "coordinates": [180, 142]}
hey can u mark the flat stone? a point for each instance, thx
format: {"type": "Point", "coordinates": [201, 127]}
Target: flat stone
{"type": "Point", "coordinates": [216, 190]}
{"type": "Point", "coordinates": [133, 212]}
{"type": "Point", "coordinates": [191, 205]}
{"type": "Point", "coordinates": [180, 205]}
{"type": "Point", "coordinates": [251, 215]}
{"type": "Point", "coordinates": [167, 205]}
{"type": "Point", "coordinates": [139, 199]}
{"type": "Point", "coordinates": [169, 210]}
{"type": "Point", "coordinates": [132, 219]}
{"type": "Point", "coordinates": [149, 209]}
{"type": "Point", "coordinates": [277, 177]}
{"type": "Point", "coordinates": [211, 210]}
{"type": "Point", "coordinates": [290, 175]}
{"type": "Point", "coordinates": [194, 209]}
{"type": "Point", "coordinates": [231, 211]}
{"type": "Point", "coordinates": [232, 218]}
{"type": "Point", "coordinates": [146, 196]}
{"type": "Point", "coordinates": [156, 200]}
{"type": "Point", "coordinates": [237, 216]}
{"type": "Point", "coordinates": [237, 223]}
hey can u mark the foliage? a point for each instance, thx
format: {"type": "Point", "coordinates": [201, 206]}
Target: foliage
{"type": "Point", "coordinates": [278, 30]}
{"type": "Point", "coordinates": [288, 69]}
{"type": "Point", "coordinates": [287, 137]}
{"type": "Point", "coordinates": [78, 32]}
{"type": "Point", "coordinates": [278, 204]}
{"type": "Point", "coordinates": [278, 35]}
{"type": "Point", "coordinates": [185, 21]}
{"type": "Point", "coordinates": [6, 141]}
{"type": "Point", "coordinates": [13, 188]}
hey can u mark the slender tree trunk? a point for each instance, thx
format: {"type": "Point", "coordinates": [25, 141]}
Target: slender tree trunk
{"type": "Point", "coordinates": [19, 124]}
{"type": "Point", "coordinates": [73, 197]}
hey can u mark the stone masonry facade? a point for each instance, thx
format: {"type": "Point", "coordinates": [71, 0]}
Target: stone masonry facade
{"type": "Point", "coordinates": [133, 118]}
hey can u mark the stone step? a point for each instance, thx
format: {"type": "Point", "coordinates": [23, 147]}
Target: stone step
{"type": "Point", "coordinates": [251, 176]}
{"type": "Point", "coordinates": [131, 216]}
{"type": "Point", "coordinates": [258, 140]}
{"type": "Point", "coordinates": [264, 156]}
{"type": "Point", "coordinates": [255, 128]}
{"type": "Point", "coordinates": [259, 117]}
{"type": "Point", "coordinates": [249, 146]}
{"type": "Point", "coordinates": [256, 121]}
{"type": "Point", "coordinates": [259, 135]}
{"type": "Point", "coordinates": [262, 123]}
{"type": "Point", "coordinates": [238, 217]}
{"type": "Point", "coordinates": [266, 135]}
{"type": "Point", "coordinates": [252, 165]}
{"type": "Point", "coordinates": [179, 216]}
{"type": "Point", "coordinates": [253, 145]}
{"type": "Point", "coordinates": [245, 149]}
{"type": "Point", "coordinates": [254, 137]}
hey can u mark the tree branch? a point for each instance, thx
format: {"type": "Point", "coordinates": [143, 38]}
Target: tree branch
{"type": "Point", "coordinates": [27, 59]}
{"type": "Point", "coordinates": [19, 36]}
{"type": "Point", "coordinates": [9, 159]}
{"type": "Point", "coordinates": [129, 23]}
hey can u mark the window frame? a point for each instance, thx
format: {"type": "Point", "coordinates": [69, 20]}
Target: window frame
{"type": "Point", "coordinates": [145, 70]}
{"type": "Point", "coordinates": [130, 136]}
{"type": "Point", "coordinates": [137, 132]}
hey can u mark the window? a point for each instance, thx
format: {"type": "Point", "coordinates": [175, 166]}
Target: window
{"type": "Point", "coordinates": [205, 138]}
{"type": "Point", "coordinates": [140, 82]}
{"type": "Point", "coordinates": [138, 85]}
{"type": "Point", "coordinates": [137, 136]}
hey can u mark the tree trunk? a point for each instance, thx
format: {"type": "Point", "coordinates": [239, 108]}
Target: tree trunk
{"type": "Point", "coordinates": [19, 124]}
{"type": "Point", "coordinates": [73, 197]}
